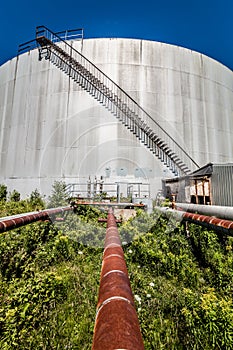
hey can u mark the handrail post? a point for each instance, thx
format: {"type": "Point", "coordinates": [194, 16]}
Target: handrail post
{"type": "Point", "coordinates": [116, 325]}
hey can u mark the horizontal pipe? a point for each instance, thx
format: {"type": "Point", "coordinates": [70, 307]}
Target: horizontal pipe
{"type": "Point", "coordinates": [11, 222]}
{"type": "Point", "coordinates": [211, 222]}
{"type": "Point", "coordinates": [216, 224]}
{"type": "Point", "coordinates": [211, 210]}
{"type": "Point", "coordinates": [110, 204]}
{"type": "Point", "coordinates": [116, 325]}
{"type": "Point", "coordinates": [119, 221]}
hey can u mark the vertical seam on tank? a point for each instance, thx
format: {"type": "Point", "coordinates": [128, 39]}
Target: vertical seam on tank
{"type": "Point", "coordinates": [140, 62]}
{"type": "Point", "coordinates": [27, 104]}
{"type": "Point", "coordinates": [67, 106]}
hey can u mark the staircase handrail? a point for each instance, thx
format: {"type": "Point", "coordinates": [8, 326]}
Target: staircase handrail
{"type": "Point", "coordinates": [54, 38]}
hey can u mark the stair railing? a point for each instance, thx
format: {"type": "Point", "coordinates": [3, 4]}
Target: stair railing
{"type": "Point", "coordinates": [116, 100]}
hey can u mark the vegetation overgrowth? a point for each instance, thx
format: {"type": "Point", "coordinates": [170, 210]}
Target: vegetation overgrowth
{"type": "Point", "coordinates": [182, 280]}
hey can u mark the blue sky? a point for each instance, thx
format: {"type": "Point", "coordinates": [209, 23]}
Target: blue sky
{"type": "Point", "coordinates": [201, 25]}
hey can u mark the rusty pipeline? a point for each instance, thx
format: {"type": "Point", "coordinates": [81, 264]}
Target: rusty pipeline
{"type": "Point", "coordinates": [216, 224]}
{"type": "Point", "coordinates": [116, 324]}
{"type": "Point", "coordinates": [210, 222]}
{"type": "Point", "coordinates": [11, 222]}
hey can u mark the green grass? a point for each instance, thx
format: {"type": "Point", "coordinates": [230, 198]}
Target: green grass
{"type": "Point", "coordinates": [49, 280]}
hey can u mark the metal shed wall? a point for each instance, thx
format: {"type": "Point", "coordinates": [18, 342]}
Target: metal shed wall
{"type": "Point", "coordinates": [222, 184]}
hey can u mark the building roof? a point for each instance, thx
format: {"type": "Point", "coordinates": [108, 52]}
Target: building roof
{"type": "Point", "coordinates": [206, 170]}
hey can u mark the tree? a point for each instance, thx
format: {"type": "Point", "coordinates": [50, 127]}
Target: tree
{"type": "Point", "coordinates": [59, 195]}
{"type": "Point", "coordinates": [14, 196]}
{"type": "Point", "coordinates": [3, 192]}
{"type": "Point", "coordinates": [36, 199]}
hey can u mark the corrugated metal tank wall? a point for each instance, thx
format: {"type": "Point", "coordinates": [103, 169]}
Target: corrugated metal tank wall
{"type": "Point", "coordinates": [51, 129]}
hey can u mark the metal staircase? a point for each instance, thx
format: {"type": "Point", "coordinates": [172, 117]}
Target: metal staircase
{"type": "Point", "coordinates": [115, 99]}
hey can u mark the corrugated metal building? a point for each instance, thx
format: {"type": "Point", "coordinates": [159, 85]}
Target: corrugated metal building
{"type": "Point", "coordinates": [211, 184]}
{"type": "Point", "coordinates": [222, 184]}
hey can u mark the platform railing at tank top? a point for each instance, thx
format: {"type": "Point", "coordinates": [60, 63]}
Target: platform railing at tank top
{"type": "Point", "coordinates": [137, 111]}
{"type": "Point", "coordinates": [69, 34]}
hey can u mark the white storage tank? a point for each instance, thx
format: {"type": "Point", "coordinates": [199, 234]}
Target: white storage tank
{"type": "Point", "coordinates": [51, 129]}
